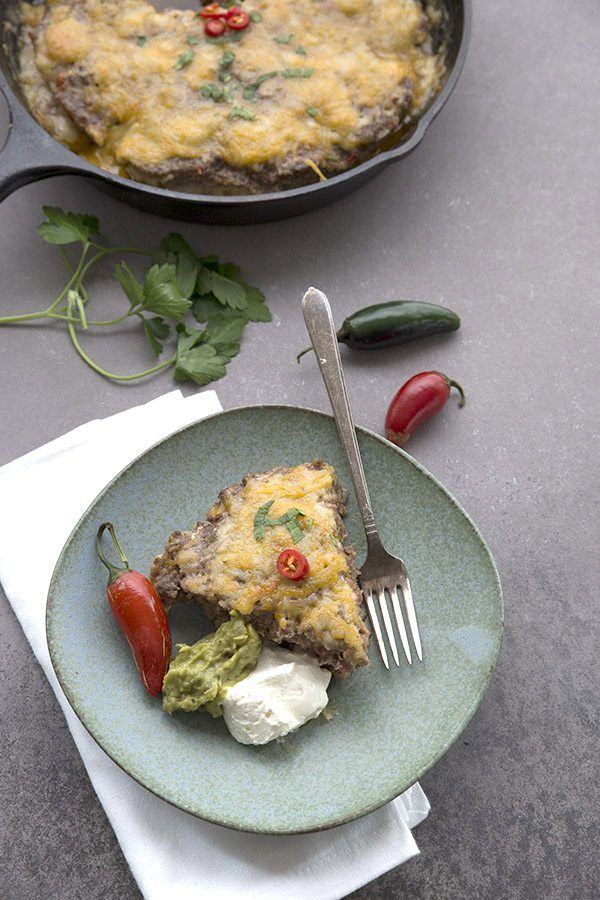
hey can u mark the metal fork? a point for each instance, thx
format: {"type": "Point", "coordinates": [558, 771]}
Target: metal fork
{"type": "Point", "coordinates": [381, 572]}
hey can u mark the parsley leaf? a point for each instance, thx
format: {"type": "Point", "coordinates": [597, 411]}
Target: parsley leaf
{"type": "Point", "coordinates": [224, 329]}
{"type": "Point", "coordinates": [66, 227]}
{"type": "Point", "coordinates": [162, 294]}
{"type": "Point", "coordinates": [228, 292]}
{"type": "Point", "coordinates": [187, 272]}
{"type": "Point", "coordinates": [131, 287]}
{"type": "Point", "coordinates": [256, 310]}
{"type": "Point", "coordinates": [283, 39]}
{"type": "Point", "coordinates": [204, 281]}
{"type": "Point", "coordinates": [159, 327]}
{"type": "Point", "coordinates": [208, 305]}
{"type": "Point", "coordinates": [211, 262]}
{"type": "Point", "coordinates": [228, 351]}
{"type": "Point", "coordinates": [155, 329]}
{"type": "Point", "coordinates": [176, 243]}
{"type": "Point", "coordinates": [189, 337]}
{"type": "Point", "coordinates": [200, 364]}
{"type": "Point", "coordinates": [230, 270]}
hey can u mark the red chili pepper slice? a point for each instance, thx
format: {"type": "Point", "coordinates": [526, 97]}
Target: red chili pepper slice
{"type": "Point", "coordinates": [418, 400]}
{"type": "Point", "coordinates": [237, 19]}
{"type": "Point", "coordinates": [292, 564]}
{"type": "Point", "coordinates": [213, 11]}
{"type": "Point", "coordinates": [214, 27]}
{"type": "Point", "coordinates": [140, 615]}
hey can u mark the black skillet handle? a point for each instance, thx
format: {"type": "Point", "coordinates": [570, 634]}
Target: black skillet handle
{"type": "Point", "coordinates": [28, 153]}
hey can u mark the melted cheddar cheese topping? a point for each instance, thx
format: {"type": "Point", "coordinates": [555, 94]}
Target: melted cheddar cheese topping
{"type": "Point", "coordinates": [151, 102]}
{"type": "Point", "coordinates": [245, 569]}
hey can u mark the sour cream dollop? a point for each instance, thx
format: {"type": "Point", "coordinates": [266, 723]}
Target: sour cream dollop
{"type": "Point", "coordinates": [283, 692]}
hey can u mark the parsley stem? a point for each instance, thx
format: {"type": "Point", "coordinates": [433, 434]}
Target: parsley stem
{"type": "Point", "coordinates": [112, 321]}
{"type": "Point", "coordinates": [77, 273]}
{"type": "Point", "coordinates": [26, 317]}
{"type": "Point", "coordinates": [111, 375]}
{"type": "Point", "coordinates": [106, 250]}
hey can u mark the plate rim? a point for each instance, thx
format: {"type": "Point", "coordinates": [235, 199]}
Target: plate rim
{"type": "Point", "coordinates": [365, 809]}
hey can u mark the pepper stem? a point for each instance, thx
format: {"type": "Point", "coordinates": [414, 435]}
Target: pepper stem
{"type": "Point", "coordinates": [307, 350]}
{"type": "Point", "coordinates": [113, 571]}
{"type": "Point", "coordinates": [455, 384]}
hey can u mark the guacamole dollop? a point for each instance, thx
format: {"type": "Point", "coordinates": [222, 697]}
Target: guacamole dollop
{"type": "Point", "coordinates": [200, 674]}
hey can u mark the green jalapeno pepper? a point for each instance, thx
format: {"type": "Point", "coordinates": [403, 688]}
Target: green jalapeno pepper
{"type": "Point", "coordinates": [391, 324]}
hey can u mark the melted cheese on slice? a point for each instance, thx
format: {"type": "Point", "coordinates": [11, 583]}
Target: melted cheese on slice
{"type": "Point", "coordinates": [245, 569]}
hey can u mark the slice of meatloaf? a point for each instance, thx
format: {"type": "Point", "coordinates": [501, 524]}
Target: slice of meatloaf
{"type": "Point", "coordinates": [223, 566]}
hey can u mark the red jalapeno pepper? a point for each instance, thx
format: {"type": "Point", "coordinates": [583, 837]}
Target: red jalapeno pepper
{"type": "Point", "coordinates": [237, 18]}
{"type": "Point", "coordinates": [292, 564]}
{"type": "Point", "coordinates": [214, 27]}
{"type": "Point", "coordinates": [418, 400]}
{"type": "Point", "coordinates": [140, 615]}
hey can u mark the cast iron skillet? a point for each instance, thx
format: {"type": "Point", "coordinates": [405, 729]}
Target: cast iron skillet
{"type": "Point", "coordinates": [30, 154]}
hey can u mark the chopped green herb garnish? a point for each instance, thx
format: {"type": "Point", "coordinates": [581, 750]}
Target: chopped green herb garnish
{"type": "Point", "coordinates": [225, 77]}
{"type": "Point", "coordinates": [288, 516]}
{"type": "Point", "coordinates": [312, 111]}
{"type": "Point", "coordinates": [260, 520]}
{"type": "Point", "coordinates": [141, 39]}
{"type": "Point", "coordinates": [301, 51]}
{"type": "Point", "coordinates": [283, 39]}
{"type": "Point", "coordinates": [240, 112]}
{"type": "Point", "coordinates": [212, 92]}
{"type": "Point", "coordinates": [228, 37]}
{"type": "Point", "coordinates": [193, 39]}
{"type": "Point", "coordinates": [267, 75]}
{"type": "Point", "coordinates": [256, 17]}
{"type": "Point", "coordinates": [297, 73]}
{"type": "Point", "coordinates": [184, 59]}
{"type": "Point", "coordinates": [289, 519]}
{"type": "Point", "coordinates": [295, 531]}
{"type": "Point", "coordinates": [227, 58]}
{"type": "Point", "coordinates": [251, 89]}
{"type": "Point", "coordinates": [227, 93]}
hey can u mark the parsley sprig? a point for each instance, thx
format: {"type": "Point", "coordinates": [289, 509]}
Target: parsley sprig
{"type": "Point", "coordinates": [177, 282]}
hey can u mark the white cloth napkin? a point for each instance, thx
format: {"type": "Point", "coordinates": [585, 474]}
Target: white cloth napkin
{"type": "Point", "coordinates": [171, 854]}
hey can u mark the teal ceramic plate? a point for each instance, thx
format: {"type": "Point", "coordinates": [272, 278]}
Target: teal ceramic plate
{"type": "Point", "coordinates": [388, 728]}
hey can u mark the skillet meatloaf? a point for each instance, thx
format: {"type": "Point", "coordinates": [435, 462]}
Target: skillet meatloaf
{"type": "Point", "coordinates": [229, 562]}
{"type": "Point", "coordinates": [307, 87]}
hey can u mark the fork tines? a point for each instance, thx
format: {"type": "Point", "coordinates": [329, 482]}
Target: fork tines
{"type": "Point", "coordinates": [369, 594]}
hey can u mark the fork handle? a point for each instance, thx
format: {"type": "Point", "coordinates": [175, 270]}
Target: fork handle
{"type": "Point", "coordinates": [319, 322]}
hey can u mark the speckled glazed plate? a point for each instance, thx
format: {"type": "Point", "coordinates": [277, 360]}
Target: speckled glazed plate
{"type": "Point", "coordinates": [387, 728]}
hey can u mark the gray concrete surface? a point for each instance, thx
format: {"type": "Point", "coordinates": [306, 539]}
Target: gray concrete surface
{"type": "Point", "coordinates": [497, 216]}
